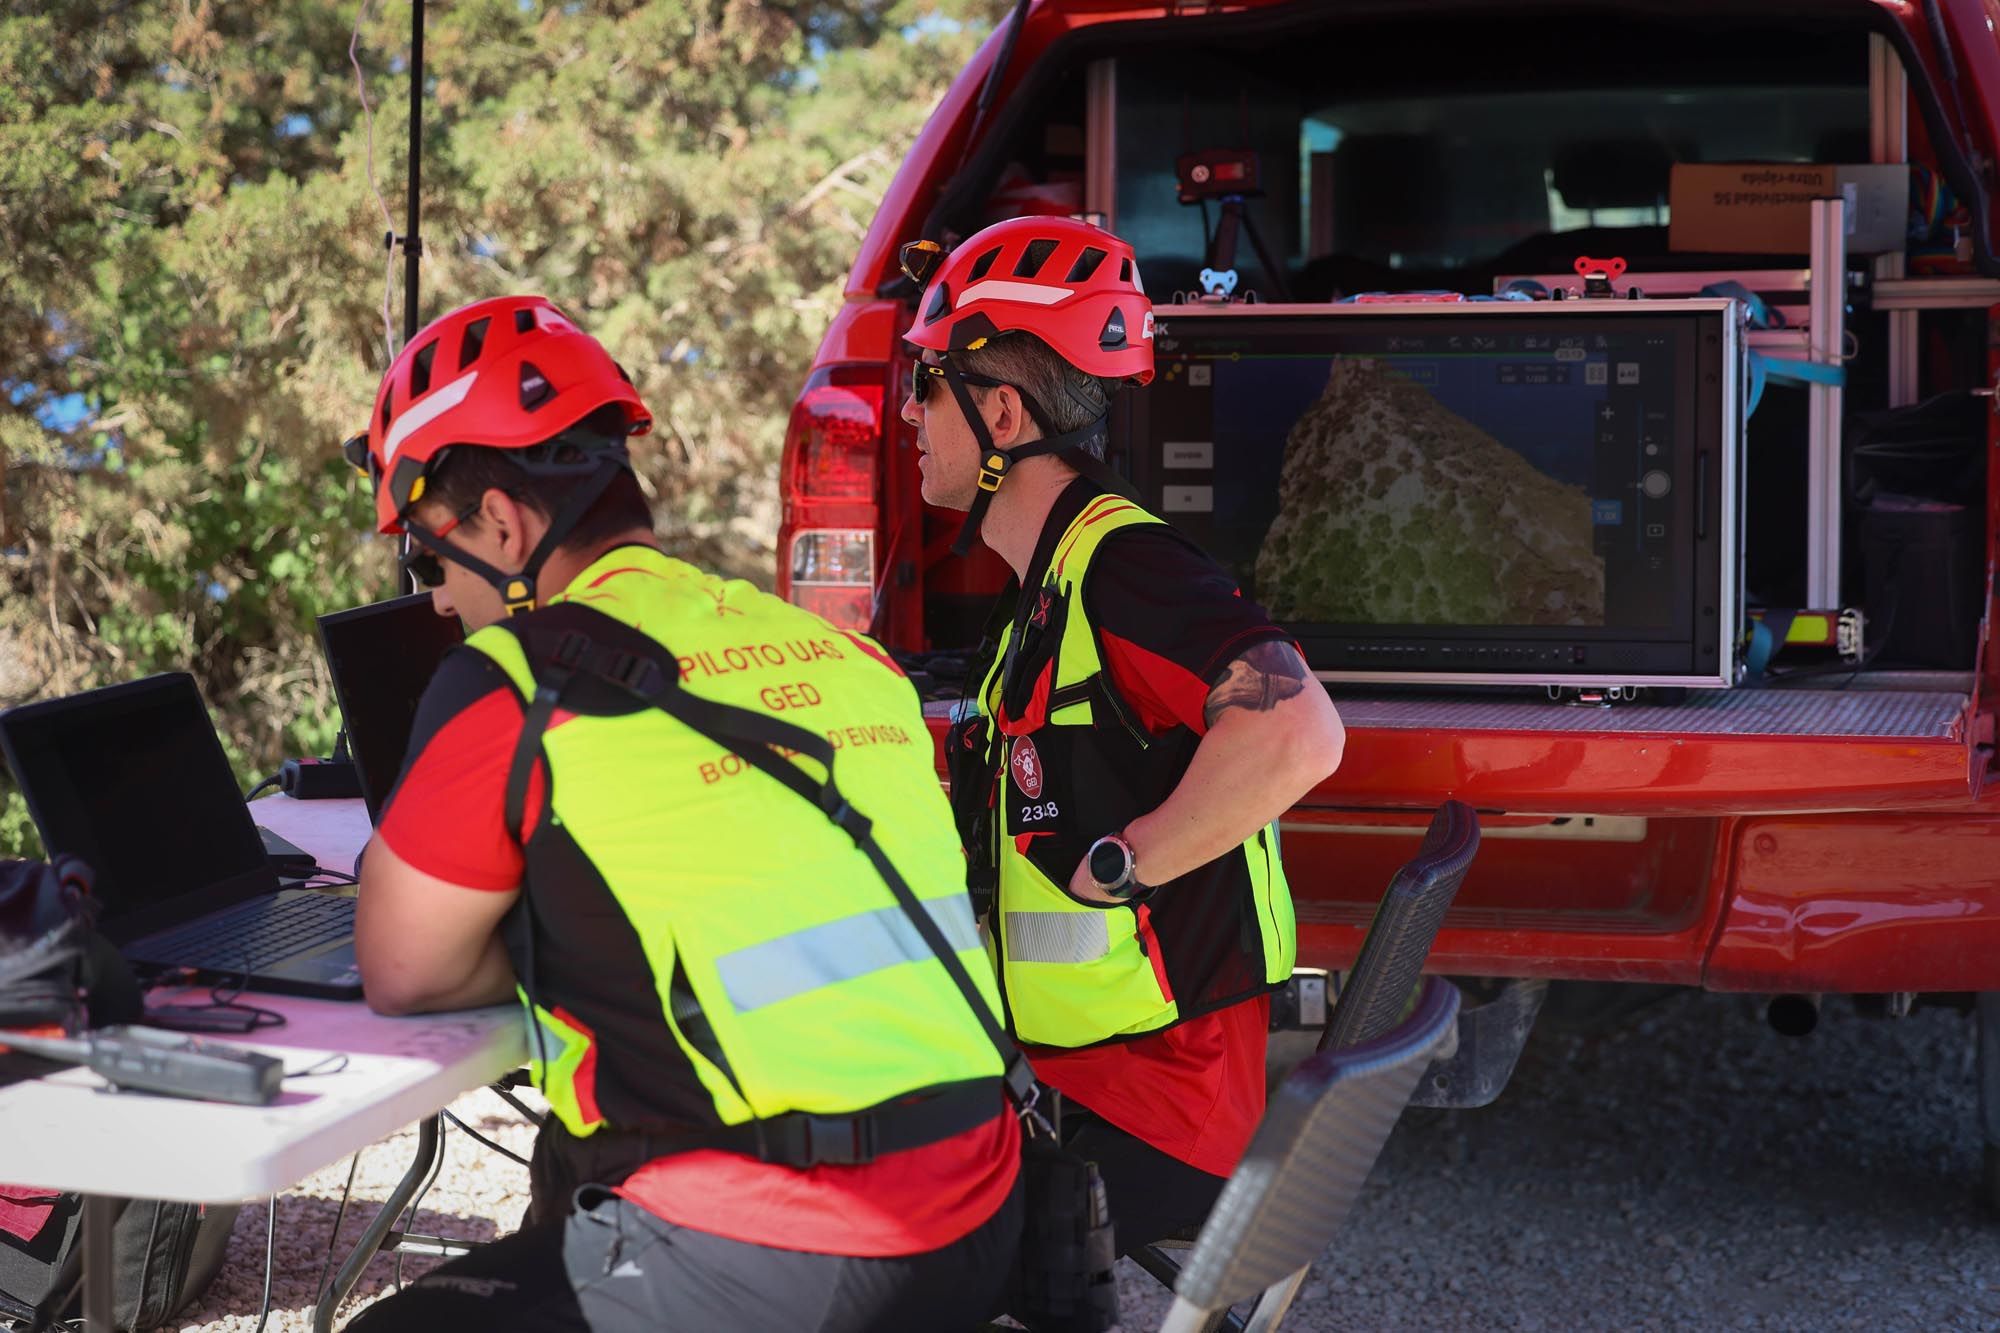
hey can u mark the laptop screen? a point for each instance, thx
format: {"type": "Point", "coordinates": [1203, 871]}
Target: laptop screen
{"type": "Point", "coordinates": [132, 779]}
{"type": "Point", "coordinates": [382, 656]}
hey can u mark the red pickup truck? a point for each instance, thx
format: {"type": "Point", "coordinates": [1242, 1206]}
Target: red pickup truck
{"type": "Point", "coordinates": [1801, 834]}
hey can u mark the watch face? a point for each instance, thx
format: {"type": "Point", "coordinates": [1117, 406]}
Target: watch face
{"type": "Point", "coordinates": [1107, 863]}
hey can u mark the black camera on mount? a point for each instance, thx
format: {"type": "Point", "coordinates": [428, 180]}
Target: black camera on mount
{"type": "Point", "coordinates": [1217, 173]}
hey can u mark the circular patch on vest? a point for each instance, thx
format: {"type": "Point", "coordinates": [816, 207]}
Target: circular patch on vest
{"type": "Point", "coordinates": [1026, 767]}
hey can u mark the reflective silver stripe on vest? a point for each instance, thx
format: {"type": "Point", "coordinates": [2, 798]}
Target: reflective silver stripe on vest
{"type": "Point", "coordinates": [545, 1038]}
{"type": "Point", "coordinates": [838, 951]}
{"type": "Point", "coordinates": [1057, 937]}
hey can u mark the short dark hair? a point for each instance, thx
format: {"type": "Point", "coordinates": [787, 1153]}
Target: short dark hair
{"type": "Point", "coordinates": [465, 472]}
{"type": "Point", "coordinates": [1070, 398]}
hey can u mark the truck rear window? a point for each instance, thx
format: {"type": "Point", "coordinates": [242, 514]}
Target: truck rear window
{"type": "Point", "coordinates": [1399, 177]}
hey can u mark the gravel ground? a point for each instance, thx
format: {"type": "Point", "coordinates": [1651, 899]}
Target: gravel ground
{"type": "Point", "coordinates": [1688, 1170]}
{"type": "Point", "coordinates": [478, 1195]}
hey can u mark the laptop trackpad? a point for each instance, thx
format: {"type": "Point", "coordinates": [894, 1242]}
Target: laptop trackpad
{"type": "Point", "coordinates": [333, 966]}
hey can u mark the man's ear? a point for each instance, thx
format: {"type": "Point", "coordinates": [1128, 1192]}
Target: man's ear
{"type": "Point", "coordinates": [1006, 416]}
{"type": "Point", "coordinates": [507, 517]}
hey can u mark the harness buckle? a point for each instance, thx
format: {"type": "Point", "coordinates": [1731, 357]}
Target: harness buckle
{"type": "Point", "coordinates": [993, 470]}
{"type": "Point", "coordinates": [572, 649]}
{"type": "Point", "coordinates": [635, 673]}
{"type": "Point", "coordinates": [849, 820]}
{"type": "Point", "coordinates": [1021, 1084]}
{"type": "Point", "coordinates": [518, 595]}
{"type": "Point", "coordinates": [844, 1140]}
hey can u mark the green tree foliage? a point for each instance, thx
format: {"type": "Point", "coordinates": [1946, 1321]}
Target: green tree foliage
{"type": "Point", "coordinates": [192, 286]}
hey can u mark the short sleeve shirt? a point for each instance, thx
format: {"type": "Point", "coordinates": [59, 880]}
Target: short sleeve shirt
{"type": "Point", "coordinates": [1171, 622]}
{"type": "Point", "coordinates": [447, 817]}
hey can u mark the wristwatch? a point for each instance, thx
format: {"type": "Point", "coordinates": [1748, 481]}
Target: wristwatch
{"type": "Point", "coordinates": [1114, 869]}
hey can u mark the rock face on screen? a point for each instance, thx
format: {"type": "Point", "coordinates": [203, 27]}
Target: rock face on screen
{"type": "Point", "coordinates": [1393, 509]}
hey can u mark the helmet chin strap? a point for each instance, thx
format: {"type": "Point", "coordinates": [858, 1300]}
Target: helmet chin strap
{"type": "Point", "coordinates": [995, 462]}
{"type": "Point", "coordinates": [517, 591]}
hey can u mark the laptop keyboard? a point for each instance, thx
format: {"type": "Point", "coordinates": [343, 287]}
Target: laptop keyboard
{"type": "Point", "coordinates": [257, 935]}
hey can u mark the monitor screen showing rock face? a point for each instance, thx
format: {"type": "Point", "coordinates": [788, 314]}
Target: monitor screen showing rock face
{"type": "Point", "coordinates": [1393, 509]}
{"type": "Point", "coordinates": [1508, 472]}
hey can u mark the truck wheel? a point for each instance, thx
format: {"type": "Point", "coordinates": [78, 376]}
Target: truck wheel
{"type": "Point", "coordinates": [1989, 1096]}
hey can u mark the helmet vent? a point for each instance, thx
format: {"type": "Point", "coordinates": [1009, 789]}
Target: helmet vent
{"type": "Point", "coordinates": [473, 339]}
{"type": "Point", "coordinates": [535, 387]}
{"type": "Point", "coordinates": [940, 304]}
{"type": "Point", "coordinates": [1113, 336]}
{"type": "Point", "coordinates": [1086, 264]}
{"type": "Point", "coordinates": [420, 369]}
{"type": "Point", "coordinates": [385, 411]}
{"type": "Point", "coordinates": [982, 265]}
{"type": "Point", "coordinates": [1124, 270]}
{"type": "Point", "coordinates": [1034, 257]}
{"type": "Point", "coordinates": [524, 320]}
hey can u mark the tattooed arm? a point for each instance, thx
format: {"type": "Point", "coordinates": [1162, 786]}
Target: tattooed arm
{"type": "Point", "coordinates": [1272, 736]}
{"type": "Point", "coordinates": [1258, 682]}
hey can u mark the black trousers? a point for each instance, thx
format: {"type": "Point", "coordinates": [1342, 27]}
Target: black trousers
{"type": "Point", "coordinates": [1152, 1196]}
{"type": "Point", "coordinates": [613, 1267]}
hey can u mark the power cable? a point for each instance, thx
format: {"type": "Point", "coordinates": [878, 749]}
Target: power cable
{"type": "Point", "coordinates": [508, 1153]}
{"type": "Point", "coordinates": [388, 223]}
{"type": "Point", "coordinates": [270, 1259]}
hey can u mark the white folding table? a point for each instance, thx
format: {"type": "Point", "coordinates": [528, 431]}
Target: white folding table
{"type": "Point", "coordinates": [64, 1132]}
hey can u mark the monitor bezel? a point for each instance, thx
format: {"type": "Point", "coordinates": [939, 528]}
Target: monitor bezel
{"type": "Point", "coordinates": [339, 623]}
{"type": "Point", "coordinates": [127, 912]}
{"type": "Point", "coordinates": [1717, 564]}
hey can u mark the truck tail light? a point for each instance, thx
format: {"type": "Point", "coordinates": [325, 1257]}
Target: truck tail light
{"type": "Point", "coordinates": [831, 479]}
{"type": "Point", "coordinates": [833, 574]}
{"type": "Point", "coordinates": [835, 437]}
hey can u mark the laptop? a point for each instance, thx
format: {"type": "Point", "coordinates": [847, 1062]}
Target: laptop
{"type": "Point", "coordinates": [381, 657]}
{"type": "Point", "coordinates": [132, 779]}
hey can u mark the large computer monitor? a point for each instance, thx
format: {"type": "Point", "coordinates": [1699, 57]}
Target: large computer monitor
{"type": "Point", "coordinates": [1537, 493]}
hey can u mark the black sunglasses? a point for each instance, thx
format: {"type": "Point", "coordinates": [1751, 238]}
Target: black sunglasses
{"type": "Point", "coordinates": [923, 374]}
{"type": "Point", "coordinates": [423, 564]}
{"type": "Point", "coordinates": [920, 259]}
{"type": "Point", "coordinates": [424, 568]}
{"type": "Point", "coordinates": [355, 450]}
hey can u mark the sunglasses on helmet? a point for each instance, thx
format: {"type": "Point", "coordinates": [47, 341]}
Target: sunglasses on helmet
{"type": "Point", "coordinates": [355, 450]}
{"type": "Point", "coordinates": [920, 259]}
{"type": "Point", "coordinates": [924, 374]}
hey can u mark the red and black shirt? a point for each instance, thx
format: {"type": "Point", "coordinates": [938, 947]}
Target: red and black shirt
{"type": "Point", "coordinates": [446, 818]}
{"type": "Point", "coordinates": [1169, 622]}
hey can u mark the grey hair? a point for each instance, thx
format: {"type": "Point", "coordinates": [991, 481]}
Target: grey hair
{"type": "Point", "coordinates": [1067, 396]}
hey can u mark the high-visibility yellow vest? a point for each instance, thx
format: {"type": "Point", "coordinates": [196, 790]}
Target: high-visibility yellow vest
{"type": "Point", "coordinates": [698, 946]}
{"type": "Point", "coordinates": [1073, 764]}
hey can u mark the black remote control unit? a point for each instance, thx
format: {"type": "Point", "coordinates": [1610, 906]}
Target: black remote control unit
{"type": "Point", "coordinates": [168, 1063]}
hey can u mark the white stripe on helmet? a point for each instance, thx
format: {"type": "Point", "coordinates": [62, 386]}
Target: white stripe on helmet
{"type": "Point", "coordinates": [423, 414]}
{"type": "Point", "coordinates": [995, 289]}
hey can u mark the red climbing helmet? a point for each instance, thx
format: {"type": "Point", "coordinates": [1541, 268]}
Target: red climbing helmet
{"type": "Point", "coordinates": [1074, 286]}
{"type": "Point", "coordinates": [506, 373]}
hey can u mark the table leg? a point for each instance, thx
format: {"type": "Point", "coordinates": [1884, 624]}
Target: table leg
{"type": "Point", "coordinates": [100, 1214]}
{"type": "Point", "coordinates": [379, 1227]}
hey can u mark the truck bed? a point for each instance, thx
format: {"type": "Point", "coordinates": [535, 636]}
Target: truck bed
{"type": "Point", "coordinates": [1887, 739]}
{"type": "Point", "coordinates": [1886, 707]}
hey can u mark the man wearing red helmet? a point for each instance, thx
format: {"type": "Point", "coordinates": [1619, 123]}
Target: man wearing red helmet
{"type": "Point", "coordinates": [1138, 729]}
{"type": "Point", "coordinates": [764, 1024]}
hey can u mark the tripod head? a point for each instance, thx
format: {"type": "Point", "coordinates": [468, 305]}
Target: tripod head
{"type": "Point", "coordinates": [1228, 175]}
